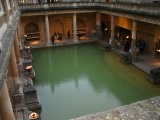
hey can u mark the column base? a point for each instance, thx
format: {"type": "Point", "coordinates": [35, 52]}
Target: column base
{"type": "Point", "coordinates": [135, 55]}
{"type": "Point", "coordinates": [18, 91]}
{"type": "Point", "coordinates": [48, 44]}
{"type": "Point", "coordinates": [20, 61]}
{"type": "Point", "coordinates": [17, 96]}
{"type": "Point", "coordinates": [75, 41]}
{"type": "Point", "coordinates": [111, 42]}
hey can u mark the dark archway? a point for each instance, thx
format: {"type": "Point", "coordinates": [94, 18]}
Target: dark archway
{"type": "Point", "coordinates": [32, 31]}
{"type": "Point", "coordinates": [103, 26]}
{"type": "Point", "coordinates": [31, 28]}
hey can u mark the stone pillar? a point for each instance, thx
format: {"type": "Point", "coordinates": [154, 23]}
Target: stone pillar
{"type": "Point", "coordinates": [14, 70]}
{"type": "Point", "coordinates": [134, 34]}
{"type": "Point", "coordinates": [5, 105]}
{"type": "Point", "coordinates": [74, 28]}
{"type": "Point", "coordinates": [12, 6]}
{"type": "Point", "coordinates": [4, 2]}
{"type": "Point", "coordinates": [18, 33]}
{"type": "Point", "coordinates": [47, 30]}
{"type": "Point", "coordinates": [98, 22]}
{"type": "Point", "coordinates": [16, 47]}
{"type": "Point", "coordinates": [19, 42]}
{"type": "Point", "coordinates": [15, 5]}
{"type": "Point", "coordinates": [112, 29]}
{"type": "Point", "coordinates": [9, 79]}
{"type": "Point", "coordinates": [19, 29]}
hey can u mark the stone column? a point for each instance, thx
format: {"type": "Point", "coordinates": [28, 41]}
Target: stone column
{"type": "Point", "coordinates": [98, 22]}
{"type": "Point", "coordinates": [15, 5]}
{"type": "Point", "coordinates": [16, 47]}
{"type": "Point", "coordinates": [18, 33]}
{"type": "Point", "coordinates": [19, 42]}
{"type": "Point", "coordinates": [14, 70]}
{"type": "Point", "coordinates": [9, 79]}
{"type": "Point", "coordinates": [4, 2]}
{"type": "Point", "coordinates": [74, 28]}
{"type": "Point", "coordinates": [19, 29]}
{"type": "Point", "coordinates": [112, 29]}
{"type": "Point", "coordinates": [134, 34]}
{"type": "Point", "coordinates": [5, 105]}
{"type": "Point", "coordinates": [12, 6]}
{"type": "Point", "coordinates": [47, 30]}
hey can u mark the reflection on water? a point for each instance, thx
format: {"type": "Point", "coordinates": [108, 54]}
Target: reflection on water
{"type": "Point", "coordinates": [77, 80]}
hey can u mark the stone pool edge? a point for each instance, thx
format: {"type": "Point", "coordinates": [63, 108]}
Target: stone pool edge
{"type": "Point", "coordinates": [148, 109]}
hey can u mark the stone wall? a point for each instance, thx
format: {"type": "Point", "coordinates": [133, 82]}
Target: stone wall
{"type": "Point", "coordinates": [63, 22]}
{"type": "Point", "coordinates": [123, 22]}
{"type": "Point", "coordinates": [148, 32]}
{"type": "Point", "coordinates": [59, 23]}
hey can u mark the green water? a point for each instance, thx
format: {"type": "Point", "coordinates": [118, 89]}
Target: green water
{"type": "Point", "coordinates": [73, 81]}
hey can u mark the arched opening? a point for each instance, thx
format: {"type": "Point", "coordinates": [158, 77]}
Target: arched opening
{"type": "Point", "coordinates": [103, 26]}
{"type": "Point", "coordinates": [32, 31]}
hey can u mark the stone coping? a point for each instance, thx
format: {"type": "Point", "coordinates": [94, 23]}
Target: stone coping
{"type": "Point", "coordinates": [140, 9]}
{"type": "Point", "coordinates": [7, 43]}
{"type": "Point", "coordinates": [148, 109]}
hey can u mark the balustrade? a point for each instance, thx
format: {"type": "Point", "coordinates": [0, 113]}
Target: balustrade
{"type": "Point", "coordinates": [132, 8]}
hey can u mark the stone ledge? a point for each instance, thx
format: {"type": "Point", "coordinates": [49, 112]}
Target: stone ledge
{"type": "Point", "coordinates": [148, 109]}
{"type": "Point", "coordinates": [7, 42]}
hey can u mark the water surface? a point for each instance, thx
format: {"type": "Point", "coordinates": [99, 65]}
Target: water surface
{"type": "Point", "coordinates": [73, 81]}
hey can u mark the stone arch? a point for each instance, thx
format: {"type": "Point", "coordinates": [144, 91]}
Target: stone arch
{"type": "Point", "coordinates": [31, 28]}
{"type": "Point", "coordinates": [56, 25]}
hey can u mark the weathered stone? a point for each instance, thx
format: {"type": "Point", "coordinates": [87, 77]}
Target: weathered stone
{"type": "Point", "coordinates": [126, 58]}
{"type": "Point", "coordinates": [142, 110]}
{"type": "Point", "coordinates": [31, 98]}
{"type": "Point", "coordinates": [154, 76]}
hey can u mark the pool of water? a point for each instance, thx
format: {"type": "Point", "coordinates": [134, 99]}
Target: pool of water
{"type": "Point", "coordinates": [73, 81]}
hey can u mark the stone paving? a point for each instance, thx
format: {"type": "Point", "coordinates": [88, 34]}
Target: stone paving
{"type": "Point", "coordinates": [146, 62]}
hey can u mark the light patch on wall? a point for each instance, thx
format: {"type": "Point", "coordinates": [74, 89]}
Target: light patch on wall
{"type": "Point", "coordinates": [124, 23]}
